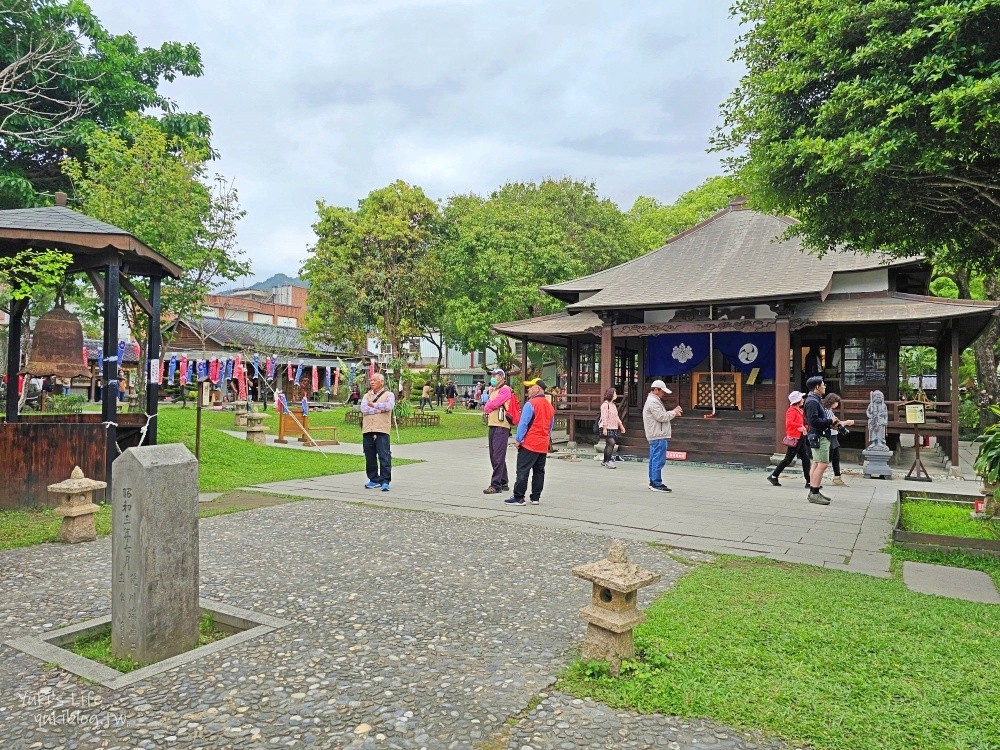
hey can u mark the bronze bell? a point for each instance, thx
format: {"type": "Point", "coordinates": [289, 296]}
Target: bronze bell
{"type": "Point", "coordinates": [57, 346]}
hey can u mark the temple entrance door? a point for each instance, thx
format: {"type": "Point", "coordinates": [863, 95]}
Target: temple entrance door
{"type": "Point", "coordinates": [626, 374]}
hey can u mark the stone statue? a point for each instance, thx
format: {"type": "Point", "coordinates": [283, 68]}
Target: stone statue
{"type": "Point", "coordinates": [878, 419]}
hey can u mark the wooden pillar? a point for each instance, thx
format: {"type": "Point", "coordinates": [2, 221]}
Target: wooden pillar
{"type": "Point", "coordinates": [153, 359]}
{"type": "Point", "coordinates": [892, 365]}
{"type": "Point", "coordinates": [524, 360]}
{"type": "Point", "coordinates": [14, 330]}
{"type": "Point", "coordinates": [956, 357]}
{"type": "Point", "coordinates": [782, 386]}
{"type": "Point", "coordinates": [607, 354]}
{"type": "Point", "coordinates": [796, 346]}
{"type": "Point", "coordinates": [109, 394]}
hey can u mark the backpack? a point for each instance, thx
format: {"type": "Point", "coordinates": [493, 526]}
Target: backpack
{"type": "Point", "coordinates": [513, 409]}
{"type": "Point", "coordinates": [597, 424]}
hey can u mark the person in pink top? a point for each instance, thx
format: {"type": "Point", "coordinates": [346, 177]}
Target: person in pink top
{"type": "Point", "coordinates": [611, 426]}
{"type": "Point", "coordinates": [499, 430]}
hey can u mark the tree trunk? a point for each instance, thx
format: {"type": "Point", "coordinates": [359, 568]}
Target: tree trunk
{"type": "Point", "coordinates": [985, 349]}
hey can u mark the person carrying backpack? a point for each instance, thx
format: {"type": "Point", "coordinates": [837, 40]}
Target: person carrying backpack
{"type": "Point", "coordinates": [610, 425]}
{"type": "Point", "coordinates": [495, 410]}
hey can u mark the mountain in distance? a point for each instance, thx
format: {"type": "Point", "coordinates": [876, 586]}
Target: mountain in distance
{"type": "Point", "coordinates": [279, 279]}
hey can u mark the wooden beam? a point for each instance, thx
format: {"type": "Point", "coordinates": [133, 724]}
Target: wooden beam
{"type": "Point", "coordinates": [96, 281]}
{"type": "Point", "coordinates": [956, 357]}
{"type": "Point", "coordinates": [782, 387]}
{"type": "Point", "coordinates": [607, 356]}
{"type": "Point", "coordinates": [136, 295]}
{"type": "Point", "coordinates": [14, 329]}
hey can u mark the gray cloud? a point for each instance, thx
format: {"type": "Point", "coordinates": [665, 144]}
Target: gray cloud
{"type": "Point", "coordinates": [332, 100]}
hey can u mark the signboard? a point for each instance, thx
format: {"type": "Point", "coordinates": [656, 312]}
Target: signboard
{"type": "Point", "coordinates": [752, 377]}
{"type": "Point", "coordinates": [915, 414]}
{"type": "Point", "coordinates": [677, 455]}
{"type": "Point", "coordinates": [205, 391]}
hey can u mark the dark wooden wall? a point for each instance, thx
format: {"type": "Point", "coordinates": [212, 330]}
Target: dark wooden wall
{"type": "Point", "coordinates": [38, 451]}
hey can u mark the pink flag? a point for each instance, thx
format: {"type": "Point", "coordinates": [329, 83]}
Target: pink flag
{"type": "Point", "coordinates": [371, 369]}
{"type": "Point", "coordinates": [137, 349]}
{"type": "Point", "coordinates": [86, 352]}
{"type": "Point", "coordinates": [291, 373]}
{"type": "Point", "coordinates": [184, 369]}
{"type": "Point", "coordinates": [336, 380]}
{"type": "Point", "coordinates": [315, 382]}
{"type": "Point", "coordinates": [241, 378]}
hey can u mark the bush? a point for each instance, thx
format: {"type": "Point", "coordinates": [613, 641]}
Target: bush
{"type": "Point", "coordinates": [968, 415]}
{"type": "Point", "coordinates": [64, 404]}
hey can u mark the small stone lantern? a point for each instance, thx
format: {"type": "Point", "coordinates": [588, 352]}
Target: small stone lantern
{"type": "Point", "coordinates": [612, 612]}
{"type": "Point", "coordinates": [255, 427]}
{"type": "Point", "coordinates": [241, 413]}
{"type": "Point", "coordinates": [76, 506]}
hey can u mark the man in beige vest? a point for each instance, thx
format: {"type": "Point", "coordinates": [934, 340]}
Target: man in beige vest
{"type": "Point", "coordinates": [376, 422]}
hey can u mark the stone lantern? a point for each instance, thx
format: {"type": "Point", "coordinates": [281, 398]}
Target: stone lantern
{"type": "Point", "coordinates": [612, 612]}
{"type": "Point", "coordinates": [76, 506]}
{"type": "Point", "coordinates": [255, 427]}
{"type": "Point", "coordinates": [241, 413]}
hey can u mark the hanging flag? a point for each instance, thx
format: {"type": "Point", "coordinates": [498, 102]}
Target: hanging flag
{"type": "Point", "coordinates": [183, 369]}
{"type": "Point", "coordinates": [121, 352]}
{"type": "Point", "coordinates": [256, 367]}
{"type": "Point", "coordinates": [350, 375]}
{"type": "Point", "coordinates": [315, 379]}
{"type": "Point", "coordinates": [172, 369]}
{"type": "Point", "coordinates": [269, 368]}
{"type": "Point", "coordinates": [336, 380]}
{"type": "Point", "coordinates": [137, 349]}
{"type": "Point", "coordinates": [213, 370]}
{"type": "Point", "coordinates": [202, 369]}
{"type": "Point", "coordinates": [371, 369]}
{"type": "Point", "coordinates": [86, 355]}
{"type": "Point", "coordinates": [280, 403]}
{"type": "Point", "coordinates": [326, 379]}
{"type": "Point", "coordinates": [298, 374]}
{"type": "Point", "coordinates": [229, 370]}
{"type": "Point", "coordinates": [291, 372]}
{"type": "Point", "coordinates": [305, 406]}
{"type": "Point", "coordinates": [241, 378]}
{"type": "Point", "coordinates": [100, 359]}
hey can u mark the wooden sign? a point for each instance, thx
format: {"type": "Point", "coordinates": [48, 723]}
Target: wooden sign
{"type": "Point", "coordinates": [752, 377]}
{"type": "Point", "coordinates": [915, 414]}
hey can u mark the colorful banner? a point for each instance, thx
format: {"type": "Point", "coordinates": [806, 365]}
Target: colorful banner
{"type": "Point", "coordinates": [121, 352]}
{"type": "Point", "coordinates": [326, 379]}
{"type": "Point", "coordinates": [315, 379]}
{"type": "Point", "coordinates": [184, 369]}
{"type": "Point", "coordinates": [256, 367]}
{"type": "Point", "coordinates": [171, 369]}
{"type": "Point", "coordinates": [745, 351]}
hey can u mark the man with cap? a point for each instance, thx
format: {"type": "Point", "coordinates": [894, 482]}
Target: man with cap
{"type": "Point", "coordinates": [533, 432]}
{"type": "Point", "coordinates": [656, 420]}
{"type": "Point", "coordinates": [795, 439]}
{"type": "Point", "coordinates": [499, 430]}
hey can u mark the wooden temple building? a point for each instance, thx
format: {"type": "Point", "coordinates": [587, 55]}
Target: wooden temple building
{"type": "Point", "coordinates": [39, 449]}
{"type": "Point", "coordinates": [734, 316]}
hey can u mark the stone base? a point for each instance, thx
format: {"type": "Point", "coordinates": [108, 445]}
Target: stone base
{"type": "Point", "coordinates": [603, 645]}
{"type": "Point", "coordinates": [77, 529]}
{"type": "Point", "coordinates": [241, 420]}
{"type": "Point", "coordinates": [876, 463]}
{"type": "Point", "coordinates": [256, 436]}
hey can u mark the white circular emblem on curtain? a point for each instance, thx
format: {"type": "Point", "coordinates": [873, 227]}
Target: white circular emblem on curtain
{"type": "Point", "coordinates": [682, 353]}
{"type": "Point", "coordinates": [748, 353]}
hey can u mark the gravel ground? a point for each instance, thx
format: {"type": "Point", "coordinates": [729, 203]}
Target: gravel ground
{"type": "Point", "coordinates": [409, 630]}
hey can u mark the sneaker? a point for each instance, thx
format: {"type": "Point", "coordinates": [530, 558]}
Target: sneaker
{"type": "Point", "coordinates": [372, 486]}
{"type": "Point", "coordinates": [818, 498]}
{"type": "Point", "coordinates": [385, 486]}
{"type": "Point", "coordinates": [505, 487]}
{"type": "Point", "coordinates": [514, 501]}
{"type": "Point", "coordinates": [660, 488]}
{"type": "Point", "coordinates": [491, 490]}
{"type": "Point", "coordinates": [839, 482]}
{"type": "Point", "coordinates": [773, 480]}
{"type": "Point", "coordinates": [535, 502]}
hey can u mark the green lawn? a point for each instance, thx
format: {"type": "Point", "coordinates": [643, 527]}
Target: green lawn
{"type": "Point", "coordinates": [837, 660]}
{"type": "Point", "coordinates": [947, 519]}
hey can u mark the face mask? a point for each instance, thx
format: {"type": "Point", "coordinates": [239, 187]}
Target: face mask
{"type": "Point", "coordinates": [493, 381]}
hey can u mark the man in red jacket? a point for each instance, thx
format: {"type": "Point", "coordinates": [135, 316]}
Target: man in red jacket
{"type": "Point", "coordinates": [533, 432]}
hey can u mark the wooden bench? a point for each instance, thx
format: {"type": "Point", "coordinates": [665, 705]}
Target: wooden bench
{"type": "Point", "coordinates": [293, 424]}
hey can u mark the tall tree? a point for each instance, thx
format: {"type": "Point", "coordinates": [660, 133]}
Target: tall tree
{"type": "Point", "coordinates": [498, 251]}
{"type": "Point", "coordinates": [373, 270]}
{"type": "Point", "coordinates": [152, 186]}
{"type": "Point", "coordinates": [653, 223]}
{"type": "Point", "coordinates": [63, 76]}
{"type": "Point", "coordinates": [875, 122]}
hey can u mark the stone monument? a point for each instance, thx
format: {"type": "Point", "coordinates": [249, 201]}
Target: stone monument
{"type": "Point", "coordinates": [154, 553]}
{"type": "Point", "coordinates": [255, 427]}
{"type": "Point", "coordinates": [77, 507]}
{"type": "Point", "coordinates": [877, 454]}
{"type": "Point", "coordinates": [613, 610]}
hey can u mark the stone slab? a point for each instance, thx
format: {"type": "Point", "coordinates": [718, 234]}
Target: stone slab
{"type": "Point", "coordinates": [954, 583]}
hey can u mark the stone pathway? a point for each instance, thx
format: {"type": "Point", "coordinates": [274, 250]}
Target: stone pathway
{"type": "Point", "coordinates": [954, 583]}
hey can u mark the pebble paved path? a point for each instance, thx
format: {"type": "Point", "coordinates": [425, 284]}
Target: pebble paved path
{"type": "Point", "coordinates": [408, 630]}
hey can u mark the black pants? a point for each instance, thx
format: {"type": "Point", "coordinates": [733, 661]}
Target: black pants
{"type": "Point", "coordinates": [378, 457]}
{"type": "Point", "coordinates": [610, 439]}
{"type": "Point", "coordinates": [535, 463]}
{"type": "Point", "coordinates": [835, 459]}
{"type": "Point", "coordinates": [800, 449]}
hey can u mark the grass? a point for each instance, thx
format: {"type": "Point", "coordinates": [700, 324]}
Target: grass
{"type": "Point", "coordinates": [945, 519]}
{"type": "Point", "coordinates": [457, 426]}
{"type": "Point", "coordinates": [24, 528]}
{"type": "Point", "coordinates": [97, 646]}
{"type": "Point", "coordinates": [836, 660]}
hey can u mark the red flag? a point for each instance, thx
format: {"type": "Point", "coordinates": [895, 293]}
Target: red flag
{"type": "Point", "coordinates": [241, 378]}
{"type": "Point", "coordinates": [184, 369]}
{"type": "Point", "coordinates": [86, 354]}
{"type": "Point", "coordinates": [336, 380]}
{"type": "Point", "coordinates": [315, 383]}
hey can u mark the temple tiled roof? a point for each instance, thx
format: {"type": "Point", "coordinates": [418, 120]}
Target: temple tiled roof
{"type": "Point", "coordinates": [737, 255]}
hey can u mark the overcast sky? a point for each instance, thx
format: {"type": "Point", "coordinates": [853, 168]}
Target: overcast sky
{"type": "Point", "coordinates": [331, 99]}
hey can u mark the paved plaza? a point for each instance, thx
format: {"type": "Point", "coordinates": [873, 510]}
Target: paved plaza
{"type": "Point", "coordinates": [436, 629]}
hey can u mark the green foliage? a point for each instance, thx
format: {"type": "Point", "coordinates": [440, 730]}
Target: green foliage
{"type": "Point", "coordinates": [373, 270]}
{"type": "Point", "coordinates": [968, 415]}
{"type": "Point", "coordinates": [28, 274]}
{"type": "Point", "coordinates": [987, 464]}
{"type": "Point", "coordinates": [73, 78]}
{"type": "Point", "coordinates": [64, 404]}
{"type": "Point", "coordinates": [945, 519]}
{"type": "Point", "coordinates": [496, 252]}
{"type": "Point", "coordinates": [150, 184]}
{"type": "Point", "coordinates": [653, 223]}
{"type": "Point", "coordinates": [875, 123]}
{"type": "Point", "coordinates": [820, 658]}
